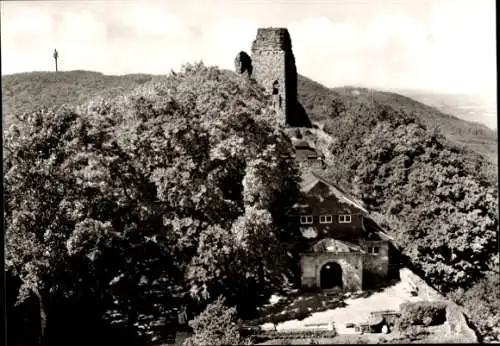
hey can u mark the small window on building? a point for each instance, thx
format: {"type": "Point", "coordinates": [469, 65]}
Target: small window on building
{"type": "Point", "coordinates": [325, 219]}
{"type": "Point", "coordinates": [306, 219]}
{"type": "Point", "coordinates": [373, 250]}
{"type": "Point", "coordinates": [344, 218]}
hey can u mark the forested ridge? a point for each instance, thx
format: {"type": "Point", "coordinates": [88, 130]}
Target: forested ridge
{"type": "Point", "coordinates": [321, 102]}
{"type": "Point", "coordinates": [169, 190]}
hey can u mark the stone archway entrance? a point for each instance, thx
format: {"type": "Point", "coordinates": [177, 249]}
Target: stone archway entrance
{"type": "Point", "coordinates": [331, 275]}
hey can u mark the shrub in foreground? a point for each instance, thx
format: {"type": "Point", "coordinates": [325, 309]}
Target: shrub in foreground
{"type": "Point", "coordinates": [422, 313]}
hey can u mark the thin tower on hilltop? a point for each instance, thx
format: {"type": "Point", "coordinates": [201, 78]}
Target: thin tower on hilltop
{"type": "Point", "coordinates": [56, 55]}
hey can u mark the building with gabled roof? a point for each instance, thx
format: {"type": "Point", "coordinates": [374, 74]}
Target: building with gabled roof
{"type": "Point", "coordinates": [306, 156]}
{"type": "Point", "coordinates": [343, 247]}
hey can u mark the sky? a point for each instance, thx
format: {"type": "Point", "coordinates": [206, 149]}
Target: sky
{"type": "Point", "coordinates": [446, 46]}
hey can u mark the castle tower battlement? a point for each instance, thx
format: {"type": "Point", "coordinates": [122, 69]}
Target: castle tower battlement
{"type": "Point", "coordinates": [272, 39]}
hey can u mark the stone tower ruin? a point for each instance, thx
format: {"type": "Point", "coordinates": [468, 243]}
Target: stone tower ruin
{"type": "Point", "coordinates": [274, 68]}
{"type": "Point", "coordinates": [272, 65]}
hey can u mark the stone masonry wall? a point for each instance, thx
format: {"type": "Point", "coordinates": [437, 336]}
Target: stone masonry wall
{"type": "Point", "coordinates": [351, 264]}
{"type": "Point", "coordinates": [243, 64]}
{"type": "Point", "coordinates": [273, 60]}
{"type": "Point", "coordinates": [375, 266]}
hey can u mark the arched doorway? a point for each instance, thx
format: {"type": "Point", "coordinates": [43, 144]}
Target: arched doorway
{"type": "Point", "coordinates": [331, 275]}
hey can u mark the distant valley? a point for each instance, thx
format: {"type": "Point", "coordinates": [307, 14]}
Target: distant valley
{"type": "Point", "coordinates": [467, 107]}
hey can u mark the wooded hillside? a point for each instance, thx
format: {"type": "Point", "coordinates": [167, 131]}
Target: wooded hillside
{"type": "Point", "coordinates": [161, 184]}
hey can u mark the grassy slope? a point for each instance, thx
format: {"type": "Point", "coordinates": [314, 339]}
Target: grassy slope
{"type": "Point", "coordinates": [24, 91]}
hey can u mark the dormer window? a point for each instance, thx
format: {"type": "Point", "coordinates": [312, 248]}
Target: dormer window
{"type": "Point", "coordinates": [306, 220]}
{"type": "Point", "coordinates": [325, 219]}
{"type": "Point", "coordinates": [344, 218]}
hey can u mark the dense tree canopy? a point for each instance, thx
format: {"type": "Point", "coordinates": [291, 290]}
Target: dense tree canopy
{"type": "Point", "coordinates": [324, 105]}
{"type": "Point", "coordinates": [165, 190]}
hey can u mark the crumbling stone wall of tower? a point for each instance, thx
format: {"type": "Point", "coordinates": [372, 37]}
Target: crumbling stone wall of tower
{"type": "Point", "coordinates": [274, 68]}
{"type": "Point", "coordinates": [243, 64]}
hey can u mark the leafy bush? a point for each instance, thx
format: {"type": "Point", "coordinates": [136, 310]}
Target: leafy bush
{"type": "Point", "coordinates": [422, 313]}
{"type": "Point", "coordinates": [409, 335]}
{"type": "Point", "coordinates": [216, 325]}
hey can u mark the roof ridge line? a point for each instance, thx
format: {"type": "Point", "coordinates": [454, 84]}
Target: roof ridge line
{"type": "Point", "coordinates": [341, 189]}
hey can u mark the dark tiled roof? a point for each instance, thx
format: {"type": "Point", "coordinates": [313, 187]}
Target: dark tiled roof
{"type": "Point", "coordinates": [311, 179]}
{"type": "Point", "coordinates": [372, 226]}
